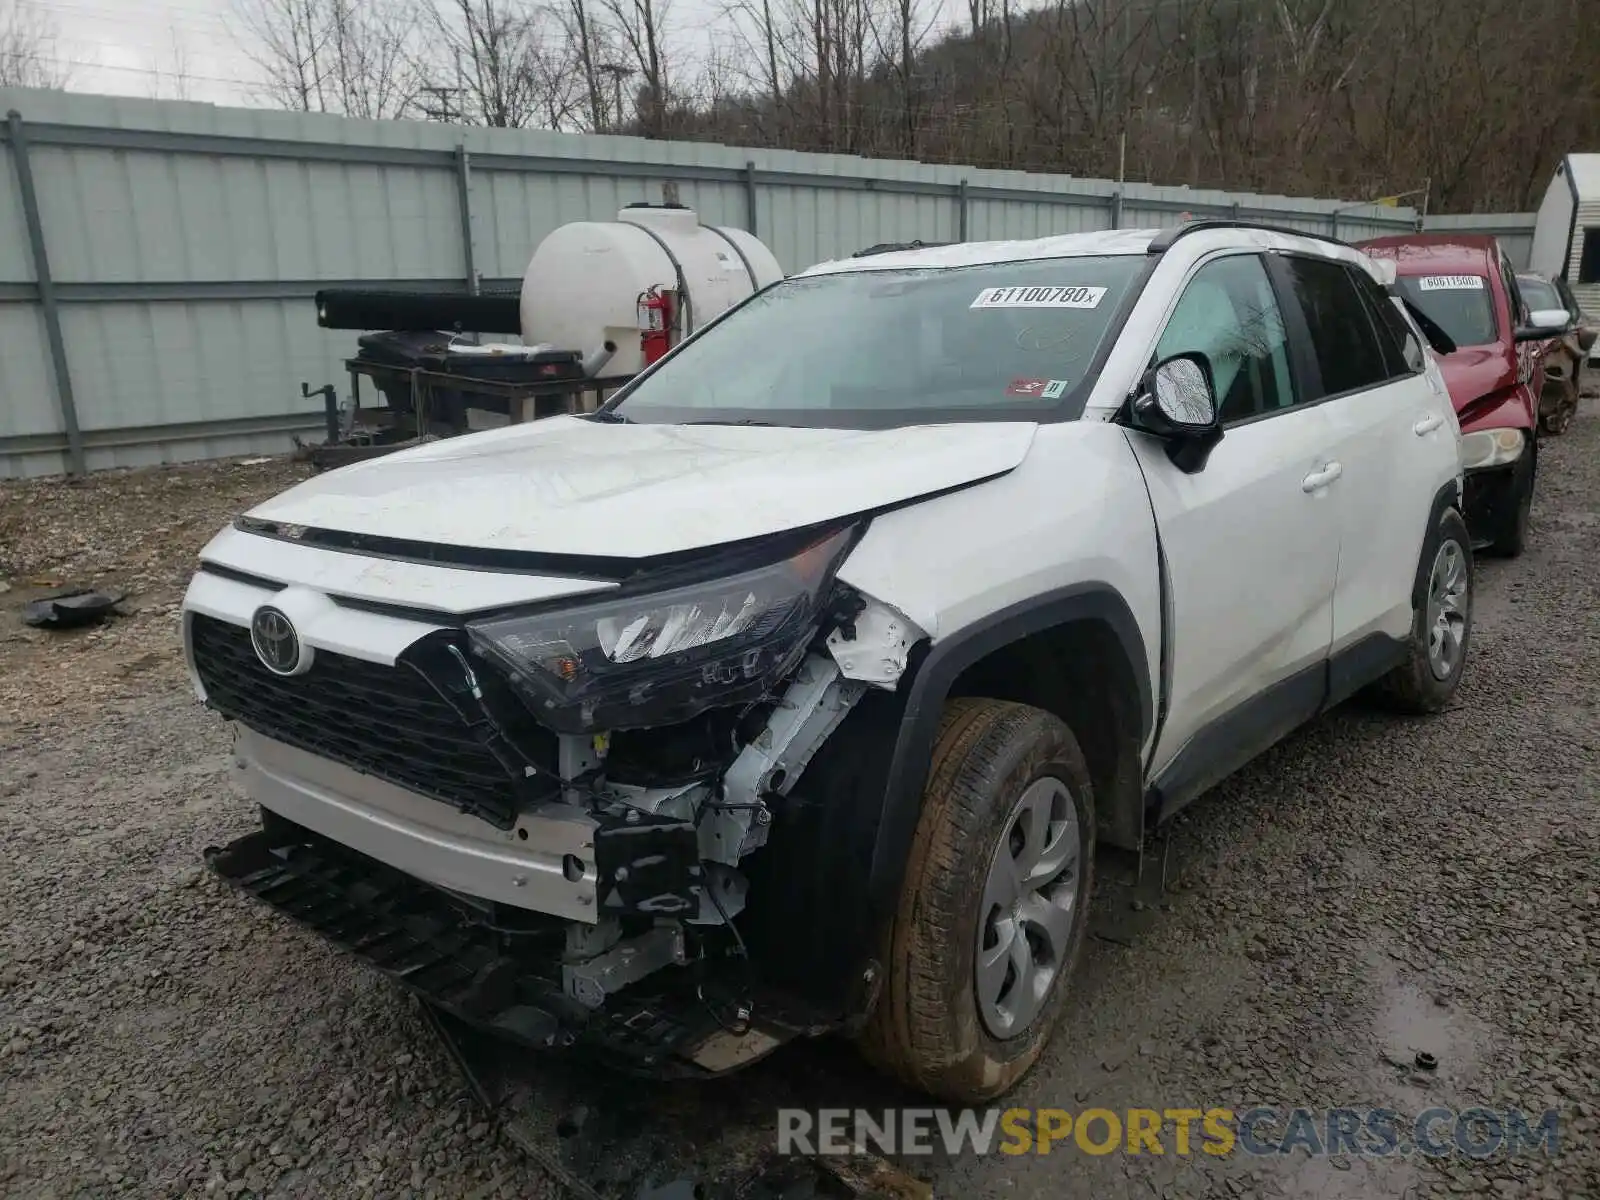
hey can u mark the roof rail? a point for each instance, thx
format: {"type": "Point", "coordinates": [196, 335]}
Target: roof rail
{"type": "Point", "coordinates": [1165, 239]}
{"type": "Point", "coordinates": [891, 247]}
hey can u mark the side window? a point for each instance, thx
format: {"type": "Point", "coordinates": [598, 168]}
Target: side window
{"type": "Point", "coordinates": [1401, 348]}
{"type": "Point", "coordinates": [1349, 355]}
{"type": "Point", "coordinates": [1228, 313]}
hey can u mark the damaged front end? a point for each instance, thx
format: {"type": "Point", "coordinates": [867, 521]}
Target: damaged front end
{"type": "Point", "coordinates": [545, 822]}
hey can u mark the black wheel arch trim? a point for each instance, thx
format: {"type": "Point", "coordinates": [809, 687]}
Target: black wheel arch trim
{"type": "Point", "coordinates": [928, 682]}
{"type": "Point", "coordinates": [1447, 497]}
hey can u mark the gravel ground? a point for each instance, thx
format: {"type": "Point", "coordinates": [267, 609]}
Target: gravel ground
{"type": "Point", "coordinates": [1369, 889]}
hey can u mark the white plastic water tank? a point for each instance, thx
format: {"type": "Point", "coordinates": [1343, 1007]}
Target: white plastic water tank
{"type": "Point", "coordinates": [583, 283]}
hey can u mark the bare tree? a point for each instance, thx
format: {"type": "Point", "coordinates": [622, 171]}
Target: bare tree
{"type": "Point", "coordinates": [356, 57]}
{"type": "Point", "coordinates": [170, 78]}
{"type": "Point", "coordinates": [640, 25]}
{"type": "Point", "coordinates": [898, 36]}
{"type": "Point", "coordinates": [509, 62]}
{"type": "Point", "coordinates": [28, 48]}
{"type": "Point", "coordinates": [583, 35]}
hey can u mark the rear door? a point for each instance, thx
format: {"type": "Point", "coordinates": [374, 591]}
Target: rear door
{"type": "Point", "coordinates": [1250, 543]}
{"type": "Point", "coordinates": [1393, 437]}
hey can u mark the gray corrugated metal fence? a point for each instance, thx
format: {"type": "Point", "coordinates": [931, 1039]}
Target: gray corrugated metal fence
{"type": "Point", "coordinates": [1514, 231]}
{"type": "Point", "coordinates": [157, 258]}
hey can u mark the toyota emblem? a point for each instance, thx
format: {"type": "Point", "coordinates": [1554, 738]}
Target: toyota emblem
{"type": "Point", "coordinates": [276, 642]}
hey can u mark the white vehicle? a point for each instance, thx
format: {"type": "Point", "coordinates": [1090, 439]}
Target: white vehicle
{"type": "Point", "coordinates": [794, 689]}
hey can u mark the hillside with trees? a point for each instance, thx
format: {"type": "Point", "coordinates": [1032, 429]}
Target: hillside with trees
{"type": "Point", "coordinates": [1472, 100]}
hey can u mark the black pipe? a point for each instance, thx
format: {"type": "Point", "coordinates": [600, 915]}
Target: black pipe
{"type": "Point", "coordinates": [367, 308]}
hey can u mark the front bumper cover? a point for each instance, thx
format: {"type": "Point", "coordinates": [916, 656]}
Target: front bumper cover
{"type": "Point", "coordinates": [463, 962]}
{"type": "Point", "coordinates": [545, 863]}
{"type": "Point", "coordinates": [1489, 500]}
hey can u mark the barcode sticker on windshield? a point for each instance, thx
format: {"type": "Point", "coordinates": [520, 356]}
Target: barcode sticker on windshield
{"type": "Point", "coordinates": [1040, 297]}
{"type": "Point", "coordinates": [1451, 283]}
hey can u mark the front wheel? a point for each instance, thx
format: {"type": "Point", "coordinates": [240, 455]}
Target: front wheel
{"type": "Point", "coordinates": [1441, 629]}
{"type": "Point", "coordinates": [994, 907]}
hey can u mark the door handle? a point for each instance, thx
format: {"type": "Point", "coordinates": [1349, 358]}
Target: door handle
{"type": "Point", "coordinates": [1427, 425]}
{"type": "Point", "coordinates": [1321, 479]}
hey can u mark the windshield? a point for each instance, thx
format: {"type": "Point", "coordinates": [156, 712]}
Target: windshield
{"type": "Point", "coordinates": [1460, 304]}
{"type": "Point", "coordinates": [1539, 295]}
{"type": "Point", "coordinates": [883, 348]}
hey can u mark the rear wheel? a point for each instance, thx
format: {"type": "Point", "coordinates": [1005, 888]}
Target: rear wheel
{"type": "Point", "coordinates": [1441, 629]}
{"type": "Point", "coordinates": [994, 907]}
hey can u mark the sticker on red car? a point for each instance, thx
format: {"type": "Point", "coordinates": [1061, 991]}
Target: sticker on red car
{"type": "Point", "coordinates": [1451, 283]}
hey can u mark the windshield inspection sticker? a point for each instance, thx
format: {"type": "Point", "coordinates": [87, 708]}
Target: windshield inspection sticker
{"type": "Point", "coordinates": [1040, 297]}
{"type": "Point", "coordinates": [1044, 389]}
{"type": "Point", "coordinates": [1451, 283]}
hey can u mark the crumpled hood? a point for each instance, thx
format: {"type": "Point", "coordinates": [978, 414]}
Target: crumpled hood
{"type": "Point", "coordinates": [564, 485]}
{"type": "Point", "coordinates": [1475, 371]}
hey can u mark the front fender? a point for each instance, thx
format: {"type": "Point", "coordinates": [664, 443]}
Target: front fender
{"type": "Point", "coordinates": [930, 686]}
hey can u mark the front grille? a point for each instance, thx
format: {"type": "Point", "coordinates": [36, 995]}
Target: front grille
{"type": "Point", "coordinates": [383, 721]}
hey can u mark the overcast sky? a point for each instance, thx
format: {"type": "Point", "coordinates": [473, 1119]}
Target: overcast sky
{"type": "Point", "coordinates": [138, 47]}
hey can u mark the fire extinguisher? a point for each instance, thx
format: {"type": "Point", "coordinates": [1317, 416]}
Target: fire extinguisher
{"type": "Point", "coordinates": [655, 324]}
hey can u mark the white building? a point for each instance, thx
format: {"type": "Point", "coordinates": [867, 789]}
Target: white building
{"type": "Point", "coordinates": [1566, 236]}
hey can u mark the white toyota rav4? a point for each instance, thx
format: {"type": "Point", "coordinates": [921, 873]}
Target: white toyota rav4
{"type": "Point", "coordinates": [792, 691]}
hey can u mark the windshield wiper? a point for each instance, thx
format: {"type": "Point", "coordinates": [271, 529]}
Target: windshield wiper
{"type": "Point", "coordinates": [609, 417]}
{"type": "Point", "coordinates": [740, 421]}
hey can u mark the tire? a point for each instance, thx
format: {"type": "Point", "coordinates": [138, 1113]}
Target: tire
{"type": "Point", "coordinates": [929, 1028]}
{"type": "Point", "coordinates": [1416, 685]}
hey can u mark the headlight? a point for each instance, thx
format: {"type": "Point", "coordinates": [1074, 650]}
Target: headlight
{"type": "Point", "coordinates": [661, 658]}
{"type": "Point", "coordinates": [1490, 447]}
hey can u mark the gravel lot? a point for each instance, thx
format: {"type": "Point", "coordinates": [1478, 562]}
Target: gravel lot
{"type": "Point", "coordinates": [1369, 889]}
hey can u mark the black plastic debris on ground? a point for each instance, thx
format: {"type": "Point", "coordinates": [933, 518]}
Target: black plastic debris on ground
{"type": "Point", "coordinates": [69, 609]}
{"type": "Point", "coordinates": [604, 1137]}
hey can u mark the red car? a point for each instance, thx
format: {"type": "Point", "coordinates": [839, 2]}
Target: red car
{"type": "Point", "coordinates": [1464, 285]}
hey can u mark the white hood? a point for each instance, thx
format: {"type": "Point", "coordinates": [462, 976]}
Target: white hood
{"type": "Point", "coordinates": [563, 485]}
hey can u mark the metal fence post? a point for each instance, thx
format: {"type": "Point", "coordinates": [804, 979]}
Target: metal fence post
{"type": "Point", "coordinates": [1116, 209]}
{"type": "Point", "coordinates": [47, 293]}
{"type": "Point", "coordinates": [1333, 224]}
{"type": "Point", "coordinates": [464, 191]}
{"type": "Point", "coordinates": [961, 211]}
{"type": "Point", "coordinates": [750, 198]}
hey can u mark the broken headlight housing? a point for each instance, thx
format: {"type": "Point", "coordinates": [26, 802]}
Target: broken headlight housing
{"type": "Point", "coordinates": [660, 658]}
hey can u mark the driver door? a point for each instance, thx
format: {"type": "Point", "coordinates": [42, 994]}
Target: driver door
{"type": "Point", "coordinates": [1250, 543]}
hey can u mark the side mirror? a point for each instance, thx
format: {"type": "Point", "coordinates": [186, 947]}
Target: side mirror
{"type": "Point", "coordinates": [1555, 320]}
{"type": "Point", "coordinates": [1177, 402]}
